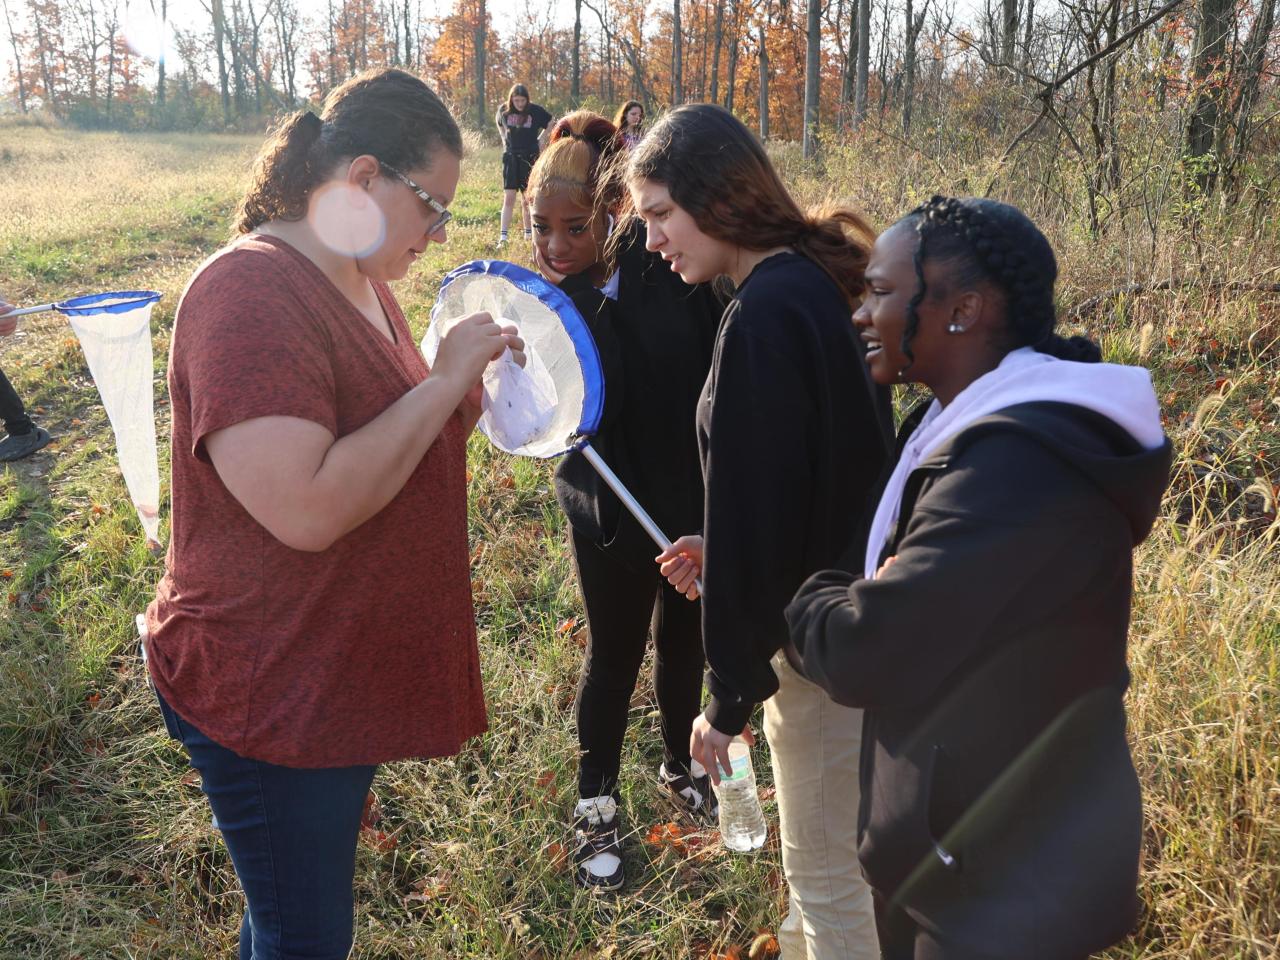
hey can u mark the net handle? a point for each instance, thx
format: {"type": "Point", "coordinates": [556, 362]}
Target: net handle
{"type": "Point", "coordinates": [87, 305]}
{"type": "Point", "coordinates": [23, 311]}
{"type": "Point", "coordinates": [630, 502]}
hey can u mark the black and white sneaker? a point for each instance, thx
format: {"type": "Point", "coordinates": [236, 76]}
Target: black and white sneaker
{"type": "Point", "coordinates": [690, 792]}
{"type": "Point", "coordinates": [597, 852]}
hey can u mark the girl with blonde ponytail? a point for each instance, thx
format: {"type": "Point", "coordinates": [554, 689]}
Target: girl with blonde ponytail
{"type": "Point", "coordinates": [793, 435]}
{"type": "Point", "coordinates": [654, 334]}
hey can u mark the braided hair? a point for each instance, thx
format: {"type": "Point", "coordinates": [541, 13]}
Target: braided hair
{"type": "Point", "coordinates": [986, 240]}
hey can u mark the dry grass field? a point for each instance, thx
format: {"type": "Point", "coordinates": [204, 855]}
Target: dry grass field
{"type": "Point", "coordinates": [106, 846]}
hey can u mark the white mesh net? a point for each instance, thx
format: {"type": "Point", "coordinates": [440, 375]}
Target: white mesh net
{"type": "Point", "coordinates": [118, 348]}
{"type": "Point", "coordinates": [532, 412]}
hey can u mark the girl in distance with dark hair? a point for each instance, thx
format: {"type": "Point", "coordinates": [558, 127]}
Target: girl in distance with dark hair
{"type": "Point", "coordinates": [792, 436]}
{"type": "Point", "coordinates": [654, 334]}
{"type": "Point", "coordinates": [630, 123]}
{"type": "Point", "coordinates": [521, 123]}
{"type": "Point", "coordinates": [315, 616]}
{"type": "Point", "coordinates": [985, 631]}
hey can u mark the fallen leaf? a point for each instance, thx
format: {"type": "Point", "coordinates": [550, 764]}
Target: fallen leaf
{"type": "Point", "coordinates": [93, 700]}
{"type": "Point", "coordinates": [556, 854]}
{"type": "Point", "coordinates": [379, 840]}
{"type": "Point", "coordinates": [191, 778]}
{"type": "Point", "coordinates": [372, 812]}
{"type": "Point", "coordinates": [566, 626]}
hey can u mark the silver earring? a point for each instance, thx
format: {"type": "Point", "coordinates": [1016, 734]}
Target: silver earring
{"type": "Point", "coordinates": [954, 328]}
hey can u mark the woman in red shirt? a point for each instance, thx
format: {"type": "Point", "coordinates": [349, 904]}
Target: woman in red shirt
{"type": "Point", "coordinates": [315, 616]}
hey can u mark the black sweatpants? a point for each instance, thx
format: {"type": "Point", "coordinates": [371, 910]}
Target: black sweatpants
{"type": "Point", "coordinates": [622, 605]}
{"type": "Point", "coordinates": [12, 411]}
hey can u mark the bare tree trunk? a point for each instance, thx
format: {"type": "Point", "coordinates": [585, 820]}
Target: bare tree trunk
{"type": "Point", "coordinates": [812, 68]}
{"type": "Point", "coordinates": [410, 48]}
{"type": "Point", "coordinates": [864, 63]}
{"type": "Point", "coordinates": [17, 59]}
{"type": "Point", "coordinates": [1253, 56]}
{"type": "Point", "coordinates": [702, 65]}
{"type": "Point", "coordinates": [608, 45]}
{"type": "Point", "coordinates": [884, 60]}
{"type": "Point", "coordinates": [850, 59]}
{"type": "Point", "coordinates": [163, 15]}
{"type": "Point", "coordinates": [219, 46]}
{"type": "Point", "coordinates": [764, 85]}
{"type": "Point", "coordinates": [113, 25]}
{"type": "Point", "coordinates": [286, 25]}
{"type": "Point", "coordinates": [637, 74]}
{"type": "Point", "coordinates": [238, 72]}
{"type": "Point", "coordinates": [92, 42]}
{"type": "Point", "coordinates": [677, 78]}
{"type": "Point", "coordinates": [1008, 30]}
{"type": "Point", "coordinates": [913, 26]}
{"type": "Point", "coordinates": [731, 78]}
{"type": "Point", "coordinates": [481, 38]}
{"type": "Point", "coordinates": [1028, 33]}
{"type": "Point", "coordinates": [575, 87]}
{"type": "Point", "coordinates": [717, 41]}
{"type": "Point", "coordinates": [46, 75]}
{"type": "Point", "coordinates": [1216, 21]}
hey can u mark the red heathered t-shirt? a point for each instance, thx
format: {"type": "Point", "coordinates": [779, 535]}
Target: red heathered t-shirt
{"type": "Point", "coordinates": [359, 654]}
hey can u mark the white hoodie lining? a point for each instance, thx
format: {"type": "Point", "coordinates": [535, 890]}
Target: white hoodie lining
{"type": "Point", "coordinates": [1122, 394]}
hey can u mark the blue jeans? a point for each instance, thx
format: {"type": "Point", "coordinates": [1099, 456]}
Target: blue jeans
{"type": "Point", "coordinates": [292, 837]}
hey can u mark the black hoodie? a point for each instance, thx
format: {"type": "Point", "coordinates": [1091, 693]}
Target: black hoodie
{"type": "Point", "coordinates": [999, 802]}
{"type": "Point", "coordinates": [655, 345]}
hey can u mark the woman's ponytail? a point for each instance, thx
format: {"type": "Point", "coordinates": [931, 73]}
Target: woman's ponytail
{"type": "Point", "coordinates": [283, 174]}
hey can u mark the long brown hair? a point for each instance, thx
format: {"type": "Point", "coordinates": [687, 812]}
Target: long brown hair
{"type": "Point", "coordinates": [716, 169]}
{"type": "Point", "coordinates": [517, 90]}
{"type": "Point", "coordinates": [620, 118]}
{"type": "Point", "coordinates": [387, 113]}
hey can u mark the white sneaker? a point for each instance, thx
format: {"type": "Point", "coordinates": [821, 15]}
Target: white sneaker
{"type": "Point", "coordinates": [691, 792]}
{"type": "Point", "coordinates": [597, 853]}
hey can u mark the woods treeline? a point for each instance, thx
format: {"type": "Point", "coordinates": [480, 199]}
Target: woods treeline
{"type": "Point", "coordinates": [1111, 89]}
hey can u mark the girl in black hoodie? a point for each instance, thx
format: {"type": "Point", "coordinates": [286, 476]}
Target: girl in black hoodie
{"type": "Point", "coordinates": [984, 633]}
{"type": "Point", "coordinates": [654, 334]}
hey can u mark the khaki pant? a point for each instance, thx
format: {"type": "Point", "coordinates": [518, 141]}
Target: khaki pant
{"type": "Point", "coordinates": [815, 744]}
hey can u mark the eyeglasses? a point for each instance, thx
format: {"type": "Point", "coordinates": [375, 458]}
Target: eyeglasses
{"type": "Point", "coordinates": [443, 215]}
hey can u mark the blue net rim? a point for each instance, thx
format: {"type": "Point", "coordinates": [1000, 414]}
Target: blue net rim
{"type": "Point", "coordinates": [584, 343]}
{"type": "Point", "coordinates": [95, 303]}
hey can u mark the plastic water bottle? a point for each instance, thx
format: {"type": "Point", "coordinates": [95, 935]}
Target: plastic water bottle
{"type": "Point", "coordinates": [742, 825]}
